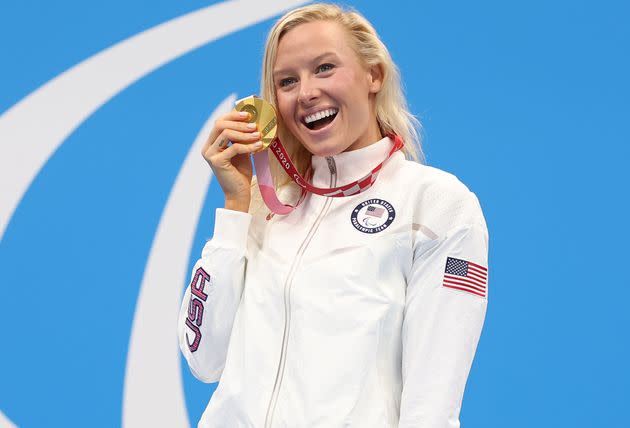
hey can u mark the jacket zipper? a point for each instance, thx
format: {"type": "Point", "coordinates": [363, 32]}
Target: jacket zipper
{"type": "Point", "coordinates": [287, 296]}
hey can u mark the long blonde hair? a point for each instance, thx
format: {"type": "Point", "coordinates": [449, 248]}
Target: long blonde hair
{"type": "Point", "coordinates": [392, 113]}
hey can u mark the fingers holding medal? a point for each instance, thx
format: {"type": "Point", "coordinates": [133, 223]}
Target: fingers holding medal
{"type": "Point", "coordinates": [252, 120]}
{"type": "Point", "coordinates": [249, 128]}
{"type": "Point", "coordinates": [231, 129]}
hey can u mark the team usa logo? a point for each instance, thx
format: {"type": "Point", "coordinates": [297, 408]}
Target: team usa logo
{"type": "Point", "coordinates": [195, 307]}
{"type": "Point", "coordinates": [373, 216]}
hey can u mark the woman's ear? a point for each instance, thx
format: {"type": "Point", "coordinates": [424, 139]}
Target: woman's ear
{"type": "Point", "coordinates": [375, 78]}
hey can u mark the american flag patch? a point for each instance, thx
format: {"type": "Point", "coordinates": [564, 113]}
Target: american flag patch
{"type": "Point", "coordinates": [374, 211]}
{"type": "Point", "coordinates": [465, 276]}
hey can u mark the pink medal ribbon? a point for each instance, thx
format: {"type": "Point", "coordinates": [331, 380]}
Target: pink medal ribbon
{"type": "Point", "coordinates": [268, 192]}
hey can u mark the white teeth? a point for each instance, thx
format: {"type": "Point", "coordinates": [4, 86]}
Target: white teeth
{"type": "Point", "coordinates": [320, 115]}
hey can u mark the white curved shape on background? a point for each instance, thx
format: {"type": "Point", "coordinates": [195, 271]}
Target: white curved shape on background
{"type": "Point", "coordinates": [37, 125]}
{"type": "Point", "coordinates": [153, 392]}
{"type": "Point", "coordinates": [5, 422]}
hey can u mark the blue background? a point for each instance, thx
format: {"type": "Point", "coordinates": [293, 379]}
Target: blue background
{"type": "Point", "coordinates": [526, 102]}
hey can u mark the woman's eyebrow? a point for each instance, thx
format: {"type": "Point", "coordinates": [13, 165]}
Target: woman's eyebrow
{"type": "Point", "coordinates": [276, 73]}
{"type": "Point", "coordinates": [314, 60]}
{"type": "Point", "coordinates": [324, 55]}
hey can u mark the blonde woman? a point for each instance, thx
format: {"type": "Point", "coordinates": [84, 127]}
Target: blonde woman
{"type": "Point", "coordinates": [357, 311]}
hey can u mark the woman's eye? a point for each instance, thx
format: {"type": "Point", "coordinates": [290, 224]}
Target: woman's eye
{"type": "Point", "coordinates": [286, 82]}
{"type": "Point", "coordinates": [325, 67]}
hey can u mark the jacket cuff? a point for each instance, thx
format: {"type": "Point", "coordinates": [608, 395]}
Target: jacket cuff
{"type": "Point", "coordinates": [231, 228]}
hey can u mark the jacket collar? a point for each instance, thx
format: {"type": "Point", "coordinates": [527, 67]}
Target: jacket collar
{"type": "Point", "coordinates": [350, 166]}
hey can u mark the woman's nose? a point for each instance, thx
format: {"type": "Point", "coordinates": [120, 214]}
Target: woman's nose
{"type": "Point", "coordinates": [309, 92]}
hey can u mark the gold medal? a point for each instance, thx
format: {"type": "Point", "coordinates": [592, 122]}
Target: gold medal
{"type": "Point", "coordinates": [263, 114]}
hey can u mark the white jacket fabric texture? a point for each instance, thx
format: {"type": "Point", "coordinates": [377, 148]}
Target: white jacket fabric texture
{"type": "Point", "coordinates": [339, 314]}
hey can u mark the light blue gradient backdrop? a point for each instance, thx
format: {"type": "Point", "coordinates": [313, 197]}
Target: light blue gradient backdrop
{"type": "Point", "coordinates": [526, 102]}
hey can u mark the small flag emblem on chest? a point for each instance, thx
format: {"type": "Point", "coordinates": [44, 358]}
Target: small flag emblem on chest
{"type": "Point", "coordinates": [374, 211]}
{"type": "Point", "coordinates": [465, 276]}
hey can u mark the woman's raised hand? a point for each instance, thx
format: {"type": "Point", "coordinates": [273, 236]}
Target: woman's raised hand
{"type": "Point", "coordinates": [230, 162]}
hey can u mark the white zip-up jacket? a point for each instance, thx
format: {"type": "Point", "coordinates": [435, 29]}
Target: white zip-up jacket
{"type": "Point", "coordinates": [343, 313]}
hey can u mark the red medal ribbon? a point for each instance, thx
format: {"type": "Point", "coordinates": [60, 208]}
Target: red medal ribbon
{"type": "Point", "coordinates": [353, 188]}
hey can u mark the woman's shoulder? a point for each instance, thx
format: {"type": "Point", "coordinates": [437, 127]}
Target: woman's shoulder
{"type": "Point", "coordinates": [431, 181]}
{"type": "Point", "coordinates": [440, 197]}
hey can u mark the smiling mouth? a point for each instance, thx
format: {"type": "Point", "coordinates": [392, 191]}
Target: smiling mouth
{"type": "Point", "coordinates": [320, 119]}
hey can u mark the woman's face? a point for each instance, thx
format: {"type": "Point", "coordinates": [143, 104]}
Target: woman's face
{"type": "Point", "coordinates": [325, 96]}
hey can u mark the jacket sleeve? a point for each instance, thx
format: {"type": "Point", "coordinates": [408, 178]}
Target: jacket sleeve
{"type": "Point", "coordinates": [212, 297]}
{"type": "Point", "coordinates": [443, 318]}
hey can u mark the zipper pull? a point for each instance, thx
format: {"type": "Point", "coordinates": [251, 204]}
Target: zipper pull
{"type": "Point", "coordinates": [332, 167]}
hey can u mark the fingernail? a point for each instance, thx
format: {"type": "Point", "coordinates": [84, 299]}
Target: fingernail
{"type": "Point", "coordinates": [243, 114]}
{"type": "Point", "coordinates": [255, 134]}
{"type": "Point", "coordinates": [251, 125]}
{"type": "Point", "coordinates": [258, 144]}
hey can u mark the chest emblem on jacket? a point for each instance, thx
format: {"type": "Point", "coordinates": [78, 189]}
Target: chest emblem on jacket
{"type": "Point", "coordinates": [372, 216]}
